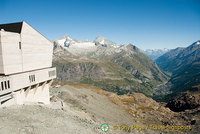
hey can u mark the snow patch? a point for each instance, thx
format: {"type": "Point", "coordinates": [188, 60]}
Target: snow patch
{"type": "Point", "coordinates": [82, 45]}
{"type": "Point", "coordinates": [115, 46]}
{"type": "Point", "coordinates": [61, 42]}
{"type": "Point", "coordinates": [102, 42]}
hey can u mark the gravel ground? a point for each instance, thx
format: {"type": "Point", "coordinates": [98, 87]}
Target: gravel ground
{"type": "Point", "coordinates": [72, 111]}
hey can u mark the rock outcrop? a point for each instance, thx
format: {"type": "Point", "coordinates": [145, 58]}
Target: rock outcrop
{"type": "Point", "coordinates": [184, 102]}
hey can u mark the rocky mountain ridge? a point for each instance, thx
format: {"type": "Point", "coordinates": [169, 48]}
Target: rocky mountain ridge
{"type": "Point", "coordinates": [103, 63]}
{"type": "Point", "coordinates": [183, 64]}
{"type": "Point", "coordinates": [179, 58]}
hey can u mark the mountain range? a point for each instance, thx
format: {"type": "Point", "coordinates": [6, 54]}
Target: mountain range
{"type": "Point", "coordinates": [124, 68]}
{"type": "Point", "coordinates": [105, 64]}
{"type": "Point", "coordinates": [173, 79]}
{"type": "Point", "coordinates": [183, 66]}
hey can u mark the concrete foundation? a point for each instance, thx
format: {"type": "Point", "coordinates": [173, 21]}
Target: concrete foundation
{"type": "Point", "coordinates": [33, 94]}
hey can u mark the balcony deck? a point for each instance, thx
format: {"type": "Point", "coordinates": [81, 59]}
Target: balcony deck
{"type": "Point", "coordinates": [11, 83]}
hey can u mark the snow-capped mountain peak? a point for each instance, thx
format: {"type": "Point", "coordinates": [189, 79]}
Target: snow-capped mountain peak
{"type": "Point", "coordinates": [100, 40]}
{"type": "Point", "coordinates": [75, 46]}
{"type": "Point", "coordinates": [99, 46]}
{"type": "Point", "coordinates": [198, 42]}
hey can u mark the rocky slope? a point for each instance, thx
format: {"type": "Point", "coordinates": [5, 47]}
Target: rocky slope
{"type": "Point", "coordinates": [81, 108]}
{"type": "Point", "coordinates": [165, 62]}
{"type": "Point", "coordinates": [74, 108]}
{"type": "Point", "coordinates": [188, 100]}
{"type": "Point", "coordinates": [134, 108]}
{"type": "Point", "coordinates": [99, 105]}
{"type": "Point", "coordinates": [103, 63]}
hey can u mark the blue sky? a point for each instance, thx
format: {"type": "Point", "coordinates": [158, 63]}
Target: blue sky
{"type": "Point", "coordinates": [145, 23]}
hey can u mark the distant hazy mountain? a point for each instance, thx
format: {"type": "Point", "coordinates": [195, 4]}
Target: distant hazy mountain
{"type": "Point", "coordinates": [155, 53]}
{"type": "Point", "coordinates": [184, 66]}
{"type": "Point", "coordinates": [103, 63]}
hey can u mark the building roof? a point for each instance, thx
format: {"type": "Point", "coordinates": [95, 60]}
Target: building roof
{"type": "Point", "coordinates": [12, 27]}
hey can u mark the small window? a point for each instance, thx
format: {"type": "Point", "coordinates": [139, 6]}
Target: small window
{"type": "Point", "coordinates": [8, 82]}
{"type": "Point", "coordinates": [2, 87]}
{"type": "Point", "coordinates": [5, 84]}
{"type": "Point", "coordinates": [31, 78]}
{"type": "Point", "coordinates": [20, 47]}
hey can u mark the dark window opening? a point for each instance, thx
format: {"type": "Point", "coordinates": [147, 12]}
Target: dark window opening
{"type": "Point", "coordinates": [31, 78]}
{"type": "Point", "coordinates": [5, 84]}
{"type": "Point", "coordinates": [20, 47]}
{"type": "Point", "coordinates": [2, 86]}
{"type": "Point", "coordinates": [8, 82]}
